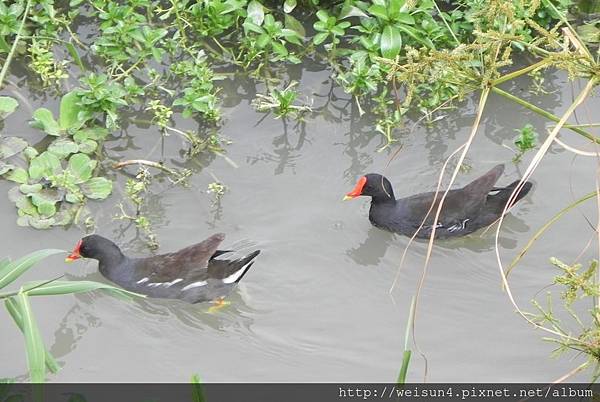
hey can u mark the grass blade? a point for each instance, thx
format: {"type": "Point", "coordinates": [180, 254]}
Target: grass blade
{"type": "Point", "coordinates": [404, 368]}
{"type": "Point", "coordinates": [545, 227]}
{"type": "Point", "coordinates": [11, 271]}
{"type": "Point", "coordinates": [197, 390]}
{"type": "Point", "coordinates": [13, 309]}
{"type": "Point", "coordinates": [407, 353]}
{"type": "Point", "coordinates": [526, 175]}
{"type": "Point", "coordinates": [68, 287]}
{"type": "Point", "coordinates": [33, 341]}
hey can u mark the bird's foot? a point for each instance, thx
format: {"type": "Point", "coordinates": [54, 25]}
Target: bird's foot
{"type": "Point", "coordinates": [218, 304]}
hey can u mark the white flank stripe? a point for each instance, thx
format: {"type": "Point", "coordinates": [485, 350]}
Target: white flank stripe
{"type": "Point", "coordinates": [142, 280]}
{"type": "Point", "coordinates": [155, 284]}
{"type": "Point", "coordinates": [167, 284]}
{"type": "Point", "coordinates": [194, 285]}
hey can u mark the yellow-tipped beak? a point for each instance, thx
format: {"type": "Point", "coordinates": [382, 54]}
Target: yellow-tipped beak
{"type": "Point", "coordinates": [72, 257]}
{"type": "Point", "coordinates": [347, 197]}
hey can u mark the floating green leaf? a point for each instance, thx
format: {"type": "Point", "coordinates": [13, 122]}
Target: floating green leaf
{"type": "Point", "coordinates": [44, 120]}
{"type": "Point", "coordinates": [18, 175]}
{"type": "Point", "coordinates": [10, 146]}
{"type": "Point", "coordinates": [5, 167]}
{"type": "Point", "coordinates": [73, 198]}
{"type": "Point", "coordinates": [67, 213]}
{"type": "Point", "coordinates": [63, 147]}
{"type": "Point", "coordinates": [39, 222]}
{"type": "Point", "coordinates": [44, 165]}
{"type": "Point", "coordinates": [15, 194]}
{"type": "Point", "coordinates": [30, 188]}
{"type": "Point", "coordinates": [97, 188]}
{"type": "Point", "coordinates": [46, 207]}
{"type": "Point", "coordinates": [94, 133]}
{"type": "Point", "coordinates": [30, 152]}
{"type": "Point", "coordinates": [81, 166]}
{"type": "Point", "coordinates": [26, 207]}
{"type": "Point", "coordinates": [87, 146]}
{"type": "Point", "coordinates": [7, 106]}
{"type": "Point", "coordinates": [69, 110]}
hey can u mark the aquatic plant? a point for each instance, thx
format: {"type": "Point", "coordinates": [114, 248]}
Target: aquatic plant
{"type": "Point", "coordinates": [281, 101]}
{"type": "Point", "coordinates": [375, 49]}
{"type": "Point", "coordinates": [39, 360]}
{"type": "Point", "coordinates": [525, 141]}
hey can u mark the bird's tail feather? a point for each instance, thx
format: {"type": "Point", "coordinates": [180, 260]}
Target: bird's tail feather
{"type": "Point", "coordinates": [245, 264]}
{"type": "Point", "coordinates": [503, 194]}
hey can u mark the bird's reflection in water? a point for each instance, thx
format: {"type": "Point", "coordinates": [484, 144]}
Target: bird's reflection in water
{"type": "Point", "coordinates": [373, 248]}
{"type": "Point", "coordinates": [94, 308]}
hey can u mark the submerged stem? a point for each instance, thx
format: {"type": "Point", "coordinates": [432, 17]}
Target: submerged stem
{"type": "Point", "coordinates": [156, 165]}
{"type": "Point", "coordinates": [545, 113]}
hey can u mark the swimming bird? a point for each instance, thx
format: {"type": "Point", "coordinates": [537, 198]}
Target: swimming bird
{"type": "Point", "coordinates": [476, 205]}
{"type": "Point", "coordinates": [194, 274]}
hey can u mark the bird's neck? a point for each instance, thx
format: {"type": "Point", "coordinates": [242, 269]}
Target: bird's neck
{"type": "Point", "coordinates": [110, 262]}
{"type": "Point", "coordinates": [383, 199]}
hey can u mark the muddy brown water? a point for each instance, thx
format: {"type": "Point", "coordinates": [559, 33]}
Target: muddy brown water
{"type": "Point", "coordinates": [315, 306]}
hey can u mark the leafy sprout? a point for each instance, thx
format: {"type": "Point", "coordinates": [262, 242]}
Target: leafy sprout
{"type": "Point", "coordinates": [525, 141]}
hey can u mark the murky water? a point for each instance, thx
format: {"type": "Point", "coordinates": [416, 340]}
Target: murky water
{"type": "Point", "coordinates": [315, 306]}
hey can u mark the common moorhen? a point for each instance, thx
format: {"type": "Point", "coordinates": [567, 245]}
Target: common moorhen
{"type": "Point", "coordinates": [476, 205]}
{"type": "Point", "coordinates": [194, 274]}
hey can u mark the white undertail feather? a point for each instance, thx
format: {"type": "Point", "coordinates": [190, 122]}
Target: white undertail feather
{"type": "Point", "coordinates": [194, 285]}
{"type": "Point", "coordinates": [237, 274]}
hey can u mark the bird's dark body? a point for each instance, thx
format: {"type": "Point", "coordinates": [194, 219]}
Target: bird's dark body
{"type": "Point", "coordinates": [465, 210]}
{"type": "Point", "coordinates": [194, 274]}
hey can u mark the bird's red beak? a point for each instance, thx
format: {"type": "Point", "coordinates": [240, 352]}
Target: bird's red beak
{"type": "Point", "coordinates": [75, 254]}
{"type": "Point", "coordinates": [357, 189]}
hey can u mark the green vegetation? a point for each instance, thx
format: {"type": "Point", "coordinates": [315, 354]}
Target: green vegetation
{"type": "Point", "coordinates": [392, 56]}
{"type": "Point", "coordinates": [525, 141]}
{"type": "Point", "coordinates": [17, 304]}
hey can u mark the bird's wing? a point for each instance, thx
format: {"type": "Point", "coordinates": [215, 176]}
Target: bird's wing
{"type": "Point", "coordinates": [459, 206]}
{"type": "Point", "coordinates": [190, 263]}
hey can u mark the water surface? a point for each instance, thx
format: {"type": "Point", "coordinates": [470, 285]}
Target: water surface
{"type": "Point", "coordinates": [316, 305]}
